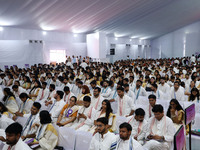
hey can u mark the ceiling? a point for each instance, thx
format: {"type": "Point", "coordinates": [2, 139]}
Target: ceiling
{"type": "Point", "coordinates": [145, 19]}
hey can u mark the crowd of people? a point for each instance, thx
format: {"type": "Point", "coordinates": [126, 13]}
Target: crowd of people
{"type": "Point", "coordinates": [90, 96]}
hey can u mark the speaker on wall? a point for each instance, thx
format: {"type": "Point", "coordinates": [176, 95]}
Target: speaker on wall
{"type": "Point", "coordinates": [112, 51]}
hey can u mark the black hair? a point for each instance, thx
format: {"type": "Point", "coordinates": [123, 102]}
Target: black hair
{"type": "Point", "coordinates": [178, 107]}
{"type": "Point", "coordinates": [93, 82]}
{"type": "Point", "coordinates": [87, 98]}
{"type": "Point", "coordinates": [154, 85]}
{"type": "Point", "coordinates": [45, 117]}
{"type": "Point", "coordinates": [15, 86]}
{"type": "Point", "coordinates": [7, 90]}
{"type": "Point", "coordinates": [37, 105]}
{"type": "Point", "coordinates": [52, 86]}
{"type": "Point", "coordinates": [24, 95]}
{"type": "Point", "coordinates": [44, 83]}
{"type": "Point", "coordinates": [15, 128]}
{"type": "Point", "coordinates": [139, 112]}
{"type": "Point", "coordinates": [152, 96]}
{"type": "Point", "coordinates": [60, 93]}
{"type": "Point", "coordinates": [126, 125]}
{"type": "Point", "coordinates": [3, 108]}
{"type": "Point", "coordinates": [108, 108]}
{"type": "Point", "coordinates": [158, 108]}
{"type": "Point", "coordinates": [103, 120]}
{"type": "Point", "coordinates": [66, 89]}
{"type": "Point", "coordinates": [192, 97]}
{"type": "Point", "coordinates": [120, 88]}
{"type": "Point", "coordinates": [126, 85]}
{"type": "Point", "coordinates": [98, 88]}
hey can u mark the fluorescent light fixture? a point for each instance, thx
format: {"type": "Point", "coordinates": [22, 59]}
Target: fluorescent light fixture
{"type": "Point", "coordinates": [1, 28]}
{"type": "Point", "coordinates": [130, 40]}
{"type": "Point", "coordinates": [47, 28]}
{"type": "Point", "coordinates": [75, 35]}
{"type": "Point", "coordinates": [116, 39]}
{"type": "Point", "coordinates": [44, 32]}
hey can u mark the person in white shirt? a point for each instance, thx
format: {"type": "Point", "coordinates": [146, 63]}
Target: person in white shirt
{"type": "Point", "coordinates": [25, 106]}
{"type": "Point", "coordinates": [83, 64]}
{"type": "Point", "coordinates": [96, 99]}
{"type": "Point", "coordinates": [129, 92]}
{"type": "Point", "coordinates": [103, 139]}
{"type": "Point", "coordinates": [13, 140]}
{"type": "Point", "coordinates": [156, 91]}
{"type": "Point", "coordinates": [139, 90]}
{"type": "Point", "coordinates": [131, 83]}
{"type": "Point", "coordinates": [193, 59]}
{"type": "Point", "coordinates": [164, 87]}
{"type": "Point", "coordinates": [187, 80]}
{"type": "Point", "coordinates": [177, 92]}
{"type": "Point", "coordinates": [152, 103]}
{"type": "Point", "coordinates": [160, 132]}
{"type": "Point", "coordinates": [106, 91]}
{"type": "Point", "coordinates": [29, 128]}
{"type": "Point", "coordinates": [125, 140]}
{"type": "Point", "coordinates": [49, 79]}
{"type": "Point", "coordinates": [17, 90]}
{"type": "Point", "coordinates": [65, 83]}
{"type": "Point", "coordinates": [125, 103]}
{"type": "Point", "coordinates": [67, 94]}
{"type": "Point", "coordinates": [139, 125]}
{"type": "Point", "coordinates": [43, 93]}
{"type": "Point", "coordinates": [86, 115]}
{"type": "Point", "coordinates": [5, 121]}
{"type": "Point", "coordinates": [93, 84]}
{"type": "Point", "coordinates": [56, 106]}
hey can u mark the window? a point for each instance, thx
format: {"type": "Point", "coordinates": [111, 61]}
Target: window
{"type": "Point", "coordinates": [57, 56]}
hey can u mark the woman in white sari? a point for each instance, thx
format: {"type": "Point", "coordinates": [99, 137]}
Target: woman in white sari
{"type": "Point", "coordinates": [46, 136]}
{"type": "Point", "coordinates": [35, 90]}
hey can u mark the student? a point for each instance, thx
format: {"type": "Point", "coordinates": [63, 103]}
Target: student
{"type": "Point", "coordinates": [160, 131]}
{"type": "Point", "coordinates": [86, 114]}
{"type": "Point", "coordinates": [13, 140]}
{"type": "Point", "coordinates": [103, 139]}
{"type": "Point", "coordinates": [25, 106]}
{"type": "Point", "coordinates": [152, 103]}
{"type": "Point", "coordinates": [96, 99]}
{"type": "Point", "coordinates": [68, 113]}
{"type": "Point", "coordinates": [125, 140]}
{"type": "Point", "coordinates": [46, 136]}
{"type": "Point", "coordinates": [139, 125]}
{"type": "Point", "coordinates": [56, 106]}
{"type": "Point", "coordinates": [125, 103]}
{"type": "Point", "coordinates": [9, 101]}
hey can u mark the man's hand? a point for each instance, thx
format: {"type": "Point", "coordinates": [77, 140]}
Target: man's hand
{"type": "Point", "coordinates": [2, 139]}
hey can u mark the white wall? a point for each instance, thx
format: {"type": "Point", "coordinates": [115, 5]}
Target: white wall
{"type": "Point", "coordinates": [134, 50]}
{"type": "Point", "coordinates": [18, 40]}
{"type": "Point", "coordinates": [182, 42]}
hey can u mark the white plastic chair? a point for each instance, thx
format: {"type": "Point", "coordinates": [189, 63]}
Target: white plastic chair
{"type": "Point", "coordinates": [66, 138]}
{"type": "Point", "coordinates": [119, 120]}
{"type": "Point", "coordinates": [83, 140]}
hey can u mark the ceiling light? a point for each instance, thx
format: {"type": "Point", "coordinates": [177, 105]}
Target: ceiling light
{"type": "Point", "coordinates": [44, 32]}
{"type": "Point", "coordinates": [1, 28]}
{"type": "Point", "coordinates": [75, 35]}
{"type": "Point", "coordinates": [130, 39]}
{"type": "Point", "coordinates": [116, 39]}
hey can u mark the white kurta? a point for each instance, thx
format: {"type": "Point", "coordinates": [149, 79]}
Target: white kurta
{"type": "Point", "coordinates": [105, 143]}
{"type": "Point", "coordinates": [105, 92]}
{"type": "Point", "coordinates": [25, 107]}
{"type": "Point", "coordinates": [42, 95]}
{"type": "Point", "coordinates": [20, 145]}
{"type": "Point", "coordinates": [125, 105]}
{"type": "Point", "coordinates": [20, 90]}
{"type": "Point", "coordinates": [179, 94]}
{"type": "Point", "coordinates": [96, 102]}
{"type": "Point", "coordinates": [164, 88]}
{"type": "Point", "coordinates": [125, 145]}
{"type": "Point", "coordinates": [56, 108]}
{"type": "Point", "coordinates": [31, 120]}
{"type": "Point", "coordinates": [139, 92]}
{"type": "Point", "coordinates": [85, 124]}
{"type": "Point", "coordinates": [164, 127]}
{"type": "Point", "coordinates": [139, 129]}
